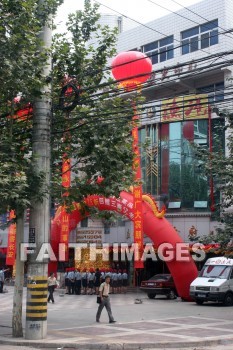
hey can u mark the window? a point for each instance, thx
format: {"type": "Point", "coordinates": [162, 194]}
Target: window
{"type": "Point", "coordinates": [215, 92]}
{"type": "Point", "coordinates": [206, 34]}
{"type": "Point", "coordinates": [161, 50]}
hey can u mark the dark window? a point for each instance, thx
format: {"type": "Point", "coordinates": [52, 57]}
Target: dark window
{"type": "Point", "coordinates": [153, 56]}
{"type": "Point", "coordinates": [219, 92]}
{"type": "Point", "coordinates": [166, 41]}
{"type": "Point", "coordinates": [191, 37]}
{"type": "Point", "coordinates": [194, 44]}
{"type": "Point", "coordinates": [205, 42]}
{"type": "Point", "coordinates": [150, 46]}
{"type": "Point", "coordinates": [215, 92]}
{"type": "Point", "coordinates": [208, 26]}
{"type": "Point", "coordinates": [213, 37]}
{"type": "Point", "coordinates": [163, 54]}
{"type": "Point", "coordinates": [185, 47]}
{"type": "Point", "coordinates": [170, 52]}
{"type": "Point", "coordinates": [190, 32]}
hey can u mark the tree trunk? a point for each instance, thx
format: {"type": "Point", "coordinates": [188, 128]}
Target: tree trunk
{"type": "Point", "coordinates": [17, 327]}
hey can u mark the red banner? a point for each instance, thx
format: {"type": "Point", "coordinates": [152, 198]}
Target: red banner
{"type": "Point", "coordinates": [11, 247]}
{"type": "Point", "coordinates": [65, 217]}
{"type": "Point", "coordinates": [137, 200]}
{"type": "Point", "coordinates": [66, 174]}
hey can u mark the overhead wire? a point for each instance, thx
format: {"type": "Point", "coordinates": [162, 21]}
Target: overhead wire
{"type": "Point", "coordinates": [195, 13]}
{"type": "Point", "coordinates": [189, 19]}
{"type": "Point", "coordinates": [143, 111]}
{"type": "Point", "coordinates": [118, 110]}
{"type": "Point", "coordinates": [141, 24]}
{"type": "Point", "coordinates": [158, 80]}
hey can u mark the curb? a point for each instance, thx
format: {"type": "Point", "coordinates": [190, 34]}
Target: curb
{"type": "Point", "coordinates": [115, 346]}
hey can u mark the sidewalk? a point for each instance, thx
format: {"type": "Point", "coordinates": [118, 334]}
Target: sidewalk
{"type": "Point", "coordinates": [133, 336]}
{"type": "Point", "coordinates": [154, 324]}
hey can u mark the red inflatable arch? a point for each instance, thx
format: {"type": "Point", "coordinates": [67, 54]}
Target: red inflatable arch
{"type": "Point", "coordinates": [159, 230]}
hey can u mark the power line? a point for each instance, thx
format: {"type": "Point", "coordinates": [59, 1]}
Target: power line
{"type": "Point", "coordinates": [118, 110]}
{"type": "Point", "coordinates": [197, 14]}
{"type": "Point", "coordinates": [141, 24]}
{"type": "Point", "coordinates": [189, 19]}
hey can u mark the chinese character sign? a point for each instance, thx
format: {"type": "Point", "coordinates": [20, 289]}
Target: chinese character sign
{"type": "Point", "coordinates": [137, 198]}
{"type": "Point", "coordinates": [64, 234]}
{"type": "Point", "coordinates": [196, 107]}
{"type": "Point", "coordinates": [11, 247]}
{"type": "Point", "coordinates": [172, 110]}
{"type": "Point", "coordinates": [189, 107]}
{"type": "Point", "coordinates": [66, 173]}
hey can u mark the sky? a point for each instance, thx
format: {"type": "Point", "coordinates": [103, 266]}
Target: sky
{"type": "Point", "coordinates": [140, 10]}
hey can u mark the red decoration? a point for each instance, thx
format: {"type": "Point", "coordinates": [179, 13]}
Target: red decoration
{"type": "Point", "coordinates": [11, 246]}
{"type": "Point", "coordinates": [131, 68]}
{"type": "Point", "coordinates": [158, 230]}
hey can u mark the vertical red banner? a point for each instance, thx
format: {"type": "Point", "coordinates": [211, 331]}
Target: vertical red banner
{"type": "Point", "coordinates": [11, 247]}
{"type": "Point", "coordinates": [65, 217]}
{"type": "Point", "coordinates": [137, 199]}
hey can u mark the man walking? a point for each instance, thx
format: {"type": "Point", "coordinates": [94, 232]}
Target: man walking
{"type": "Point", "coordinates": [2, 278]}
{"type": "Point", "coordinates": [105, 300]}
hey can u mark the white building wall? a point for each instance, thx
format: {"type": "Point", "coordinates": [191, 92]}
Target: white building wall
{"type": "Point", "coordinates": [173, 24]}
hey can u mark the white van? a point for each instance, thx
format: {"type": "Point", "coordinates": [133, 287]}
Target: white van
{"type": "Point", "coordinates": [215, 282]}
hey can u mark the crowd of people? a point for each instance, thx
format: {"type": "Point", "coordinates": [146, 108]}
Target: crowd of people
{"type": "Point", "coordinates": [88, 282]}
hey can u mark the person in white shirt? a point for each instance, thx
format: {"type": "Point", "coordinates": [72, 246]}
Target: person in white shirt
{"type": "Point", "coordinates": [71, 278]}
{"type": "Point", "coordinates": [52, 283]}
{"type": "Point", "coordinates": [114, 281]}
{"type": "Point", "coordinates": [105, 300]}
{"type": "Point", "coordinates": [84, 281]}
{"type": "Point", "coordinates": [91, 277]}
{"type": "Point", "coordinates": [119, 281]}
{"type": "Point", "coordinates": [124, 281]}
{"type": "Point", "coordinates": [77, 282]}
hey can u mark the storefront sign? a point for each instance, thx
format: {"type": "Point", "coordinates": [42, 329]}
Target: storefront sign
{"type": "Point", "coordinates": [184, 108]}
{"type": "Point", "coordinates": [90, 236]}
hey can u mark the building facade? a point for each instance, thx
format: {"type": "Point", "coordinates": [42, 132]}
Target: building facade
{"type": "Point", "coordinates": [191, 53]}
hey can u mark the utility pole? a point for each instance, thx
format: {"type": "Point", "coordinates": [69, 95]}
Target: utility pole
{"type": "Point", "coordinates": [17, 326]}
{"type": "Point", "coordinates": [39, 229]}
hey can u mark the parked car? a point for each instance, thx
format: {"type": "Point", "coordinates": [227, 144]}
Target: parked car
{"type": "Point", "coordinates": [161, 284]}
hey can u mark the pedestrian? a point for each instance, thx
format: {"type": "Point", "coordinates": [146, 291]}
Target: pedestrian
{"type": "Point", "coordinates": [124, 281]}
{"type": "Point", "coordinates": [97, 280]}
{"type": "Point", "coordinates": [84, 281]}
{"type": "Point", "coordinates": [90, 278]}
{"type": "Point", "coordinates": [77, 282]}
{"type": "Point", "coordinates": [71, 281]}
{"type": "Point", "coordinates": [114, 281]}
{"type": "Point", "coordinates": [105, 300]}
{"type": "Point", "coordinates": [52, 284]}
{"type": "Point", "coordinates": [102, 277]}
{"type": "Point", "coordinates": [119, 281]}
{"type": "Point", "coordinates": [66, 280]}
{"type": "Point", "coordinates": [2, 278]}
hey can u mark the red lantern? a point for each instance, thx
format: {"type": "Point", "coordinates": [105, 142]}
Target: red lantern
{"type": "Point", "coordinates": [132, 68]}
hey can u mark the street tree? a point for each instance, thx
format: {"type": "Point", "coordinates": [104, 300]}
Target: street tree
{"type": "Point", "coordinates": [95, 133]}
{"type": "Point", "coordinates": [219, 165]}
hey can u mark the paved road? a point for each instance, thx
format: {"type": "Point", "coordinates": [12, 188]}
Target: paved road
{"type": "Point", "coordinates": [72, 320]}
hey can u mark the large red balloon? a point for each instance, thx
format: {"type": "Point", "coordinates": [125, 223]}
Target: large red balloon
{"type": "Point", "coordinates": [132, 68]}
